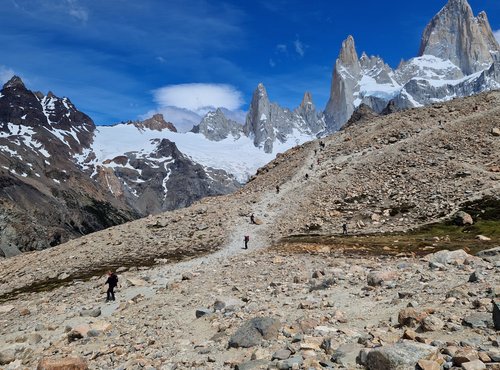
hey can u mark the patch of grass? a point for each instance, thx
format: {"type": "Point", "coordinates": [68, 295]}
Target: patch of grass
{"type": "Point", "coordinates": [426, 239]}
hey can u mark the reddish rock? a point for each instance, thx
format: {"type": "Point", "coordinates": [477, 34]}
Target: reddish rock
{"type": "Point", "coordinates": [69, 363]}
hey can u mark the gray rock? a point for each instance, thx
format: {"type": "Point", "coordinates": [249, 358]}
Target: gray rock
{"type": "Point", "coordinates": [476, 277]}
{"type": "Point", "coordinates": [94, 312]}
{"type": "Point", "coordinates": [346, 355]}
{"type": "Point", "coordinates": [490, 255]}
{"type": "Point", "coordinates": [93, 333]}
{"type": "Point", "coordinates": [403, 355]}
{"type": "Point", "coordinates": [282, 354]}
{"type": "Point", "coordinates": [253, 365]}
{"type": "Point", "coordinates": [200, 312]}
{"type": "Point", "coordinates": [478, 320]}
{"type": "Point", "coordinates": [7, 356]}
{"type": "Point", "coordinates": [432, 323]}
{"type": "Point", "coordinates": [252, 332]}
{"type": "Point", "coordinates": [289, 363]}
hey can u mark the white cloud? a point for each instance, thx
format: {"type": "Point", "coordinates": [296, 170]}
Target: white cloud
{"type": "Point", "coordinates": [272, 63]}
{"type": "Point", "coordinates": [5, 74]}
{"type": "Point", "coordinates": [299, 47]}
{"type": "Point", "coordinates": [199, 97]}
{"type": "Point", "coordinates": [185, 105]}
{"type": "Point", "coordinates": [497, 35]}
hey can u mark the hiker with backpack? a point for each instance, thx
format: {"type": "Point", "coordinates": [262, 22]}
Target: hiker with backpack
{"type": "Point", "coordinates": [246, 239]}
{"type": "Point", "coordinates": [112, 283]}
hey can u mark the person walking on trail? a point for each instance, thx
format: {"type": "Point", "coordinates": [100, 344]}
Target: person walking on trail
{"type": "Point", "coordinates": [277, 189]}
{"type": "Point", "coordinates": [344, 229]}
{"type": "Point", "coordinates": [112, 283]}
{"type": "Point", "coordinates": [252, 219]}
{"type": "Point", "coordinates": [246, 239]}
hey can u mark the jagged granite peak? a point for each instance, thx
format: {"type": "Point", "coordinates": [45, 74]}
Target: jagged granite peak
{"type": "Point", "coordinates": [216, 126]}
{"type": "Point", "coordinates": [455, 34]}
{"type": "Point", "coordinates": [348, 57]}
{"type": "Point", "coordinates": [345, 75]}
{"type": "Point", "coordinates": [258, 121]}
{"type": "Point", "coordinates": [267, 122]}
{"type": "Point", "coordinates": [489, 37]}
{"type": "Point", "coordinates": [156, 122]}
{"type": "Point", "coordinates": [14, 82]}
{"type": "Point", "coordinates": [314, 120]}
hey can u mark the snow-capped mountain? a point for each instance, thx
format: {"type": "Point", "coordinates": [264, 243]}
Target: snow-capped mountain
{"type": "Point", "coordinates": [61, 177]}
{"type": "Point", "coordinates": [458, 57]}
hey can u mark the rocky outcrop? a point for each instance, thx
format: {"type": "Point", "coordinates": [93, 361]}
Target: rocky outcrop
{"type": "Point", "coordinates": [216, 127]}
{"type": "Point", "coordinates": [267, 122]}
{"type": "Point", "coordinates": [455, 34]}
{"type": "Point", "coordinates": [157, 122]}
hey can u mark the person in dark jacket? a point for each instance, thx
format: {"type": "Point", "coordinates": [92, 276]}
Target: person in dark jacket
{"type": "Point", "coordinates": [112, 283]}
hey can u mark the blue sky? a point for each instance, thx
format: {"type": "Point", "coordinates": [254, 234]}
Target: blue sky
{"type": "Point", "coordinates": [120, 60]}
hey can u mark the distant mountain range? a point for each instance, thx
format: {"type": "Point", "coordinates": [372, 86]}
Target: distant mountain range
{"type": "Point", "coordinates": [61, 176]}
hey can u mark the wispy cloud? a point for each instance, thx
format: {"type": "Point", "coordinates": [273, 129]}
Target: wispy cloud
{"type": "Point", "coordinates": [497, 35]}
{"type": "Point", "coordinates": [272, 63]}
{"type": "Point", "coordinates": [5, 74]}
{"type": "Point", "coordinates": [299, 47]}
{"type": "Point", "coordinates": [282, 48]}
{"type": "Point", "coordinates": [77, 11]}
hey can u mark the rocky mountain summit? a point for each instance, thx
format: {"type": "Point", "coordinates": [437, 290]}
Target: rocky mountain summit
{"type": "Point", "coordinates": [288, 302]}
{"type": "Point", "coordinates": [59, 180]}
{"type": "Point", "coordinates": [458, 57]}
{"type": "Point", "coordinates": [267, 122]}
{"type": "Point", "coordinates": [215, 126]}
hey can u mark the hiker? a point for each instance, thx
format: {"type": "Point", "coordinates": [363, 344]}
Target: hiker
{"type": "Point", "coordinates": [246, 239]}
{"type": "Point", "coordinates": [252, 219]}
{"type": "Point", "coordinates": [344, 229]}
{"type": "Point", "coordinates": [112, 282]}
{"type": "Point", "coordinates": [307, 176]}
{"type": "Point", "coordinates": [277, 189]}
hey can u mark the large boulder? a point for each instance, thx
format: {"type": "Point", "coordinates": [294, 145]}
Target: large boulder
{"type": "Point", "coordinates": [490, 255]}
{"type": "Point", "coordinates": [446, 257]}
{"type": "Point", "coordinates": [403, 355]}
{"type": "Point", "coordinates": [254, 331]}
{"type": "Point", "coordinates": [462, 219]}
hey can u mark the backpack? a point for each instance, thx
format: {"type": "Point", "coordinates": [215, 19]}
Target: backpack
{"type": "Point", "coordinates": [247, 238]}
{"type": "Point", "coordinates": [113, 280]}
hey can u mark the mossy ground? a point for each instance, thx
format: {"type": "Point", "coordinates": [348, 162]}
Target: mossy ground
{"type": "Point", "coordinates": [426, 239]}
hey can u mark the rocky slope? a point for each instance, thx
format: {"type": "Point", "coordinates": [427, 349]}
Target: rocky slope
{"type": "Point", "coordinates": [458, 57]}
{"type": "Point", "coordinates": [393, 173]}
{"type": "Point", "coordinates": [317, 310]}
{"type": "Point", "coordinates": [321, 309]}
{"type": "Point", "coordinates": [56, 183]}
